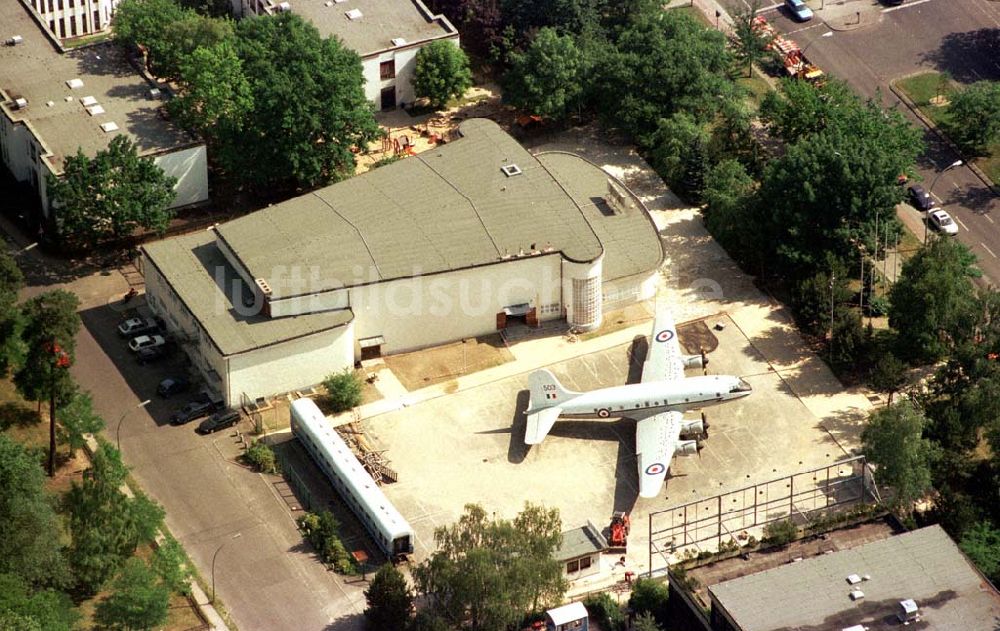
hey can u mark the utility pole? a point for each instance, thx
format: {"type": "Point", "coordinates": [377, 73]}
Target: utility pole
{"type": "Point", "coordinates": [833, 279]}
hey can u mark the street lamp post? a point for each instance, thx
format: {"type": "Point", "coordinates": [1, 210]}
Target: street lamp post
{"type": "Point", "coordinates": [930, 191]}
{"type": "Point", "coordinates": [215, 556]}
{"type": "Point", "coordinates": [118, 429]}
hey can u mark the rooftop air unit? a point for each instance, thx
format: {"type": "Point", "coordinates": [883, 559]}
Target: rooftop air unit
{"type": "Point", "coordinates": [14, 41]}
{"type": "Point", "coordinates": [354, 14]}
{"type": "Point", "coordinates": [95, 110]}
{"type": "Point", "coordinates": [20, 104]}
{"type": "Point", "coordinates": [857, 594]}
{"type": "Point", "coordinates": [510, 170]}
{"type": "Point", "coordinates": [109, 127]}
{"type": "Point", "coordinates": [87, 101]}
{"type": "Point", "coordinates": [908, 611]}
{"type": "Point", "coordinates": [398, 41]}
{"type": "Point", "coordinates": [75, 84]}
{"type": "Point", "coordinates": [154, 93]}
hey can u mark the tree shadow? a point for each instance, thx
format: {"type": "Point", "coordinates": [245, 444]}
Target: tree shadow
{"type": "Point", "coordinates": [353, 622]}
{"type": "Point", "coordinates": [104, 60]}
{"type": "Point", "coordinates": [17, 415]}
{"type": "Point", "coordinates": [967, 56]}
{"type": "Point", "coordinates": [978, 199]}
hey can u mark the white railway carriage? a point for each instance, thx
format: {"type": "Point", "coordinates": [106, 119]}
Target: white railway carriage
{"type": "Point", "coordinates": [385, 524]}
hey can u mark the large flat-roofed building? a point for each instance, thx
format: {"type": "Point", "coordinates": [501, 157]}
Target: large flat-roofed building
{"type": "Point", "coordinates": [386, 34]}
{"type": "Point", "coordinates": [456, 242]}
{"type": "Point", "coordinates": [55, 101]}
{"type": "Point", "coordinates": [918, 577]}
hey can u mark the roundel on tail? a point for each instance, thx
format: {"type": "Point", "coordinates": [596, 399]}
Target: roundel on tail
{"type": "Point", "coordinates": [655, 469]}
{"type": "Point", "coordinates": [665, 335]}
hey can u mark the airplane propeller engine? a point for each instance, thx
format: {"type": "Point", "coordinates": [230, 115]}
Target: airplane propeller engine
{"type": "Point", "coordinates": [696, 361]}
{"type": "Point", "coordinates": [688, 448]}
{"type": "Point", "coordinates": [697, 427]}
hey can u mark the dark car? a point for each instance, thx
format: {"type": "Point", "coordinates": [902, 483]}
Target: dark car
{"type": "Point", "coordinates": [219, 420]}
{"type": "Point", "coordinates": [919, 198]}
{"type": "Point", "coordinates": [191, 411]}
{"type": "Point", "coordinates": [172, 385]}
{"type": "Point", "coordinates": [150, 354]}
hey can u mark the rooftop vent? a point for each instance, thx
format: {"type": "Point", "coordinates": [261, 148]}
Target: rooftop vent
{"type": "Point", "coordinates": [853, 579]}
{"type": "Point", "coordinates": [68, 99]}
{"type": "Point", "coordinates": [20, 104]}
{"type": "Point", "coordinates": [857, 594]}
{"type": "Point", "coordinates": [398, 41]}
{"type": "Point", "coordinates": [264, 287]}
{"type": "Point", "coordinates": [75, 84]}
{"type": "Point", "coordinates": [510, 170]}
{"type": "Point", "coordinates": [50, 103]}
{"type": "Point", "coordinates": [907, 611]}
{"type": "Point", "coordinates": [95, 110]}
{"type": "Point", "coordinates": [354, 14]}
{"type": "Point", "coordinates": [109, 127]}
{"type": "Point", "coordinates": [14, 41]}
{"type": "Point", "coordinates": [87, 101]}
{"type": "Point", "coordinates": [154, 93]}
{"type": "Point", "coordinates": [283, 7]}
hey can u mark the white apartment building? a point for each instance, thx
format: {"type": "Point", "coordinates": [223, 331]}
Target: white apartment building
{"type": "Point", "coordinates": [67, 19]}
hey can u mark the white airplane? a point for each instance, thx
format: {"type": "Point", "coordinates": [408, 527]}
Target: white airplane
{"type": "Point", "coordinates": [656, 403]}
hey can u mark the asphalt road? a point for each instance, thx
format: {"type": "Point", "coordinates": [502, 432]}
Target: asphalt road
{"type": "Point", "coordinates": [961, 37]}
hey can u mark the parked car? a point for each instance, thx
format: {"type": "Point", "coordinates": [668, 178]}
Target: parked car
{"type": "Point", "coordinates": [137, 326]}
{"type": "Point", "coordinates": [941, 221]}
{"type": "Point", "coordinates": [172, 385]}
{"type": "Point", "coordinates": [219, 420]}
{"type": "Point", "coordinates": [151, 354]}
{"type": "Point", "coordinates": [919, 198]}
{"type": "Point", "coordinates": [191, 411]}
{"type": "Point", "coordinates": [146, 341]}
{"type": "Point", "coordinates": [799, 10]}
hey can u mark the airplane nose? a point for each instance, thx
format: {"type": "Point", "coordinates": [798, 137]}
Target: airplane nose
{"type": "Point", "coordinates": [742, 386]}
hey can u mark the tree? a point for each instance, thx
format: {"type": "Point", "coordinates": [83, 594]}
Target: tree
{"type": "Point", "coordinates": [547, 79]}
{"type": "Point", "coordinates": [138, 601]}
{"type": "Point", "coordinates": [602, 609]}
{"type": "Point", "coordinates": [678, 152]}
{"type": "Point", "coordinates": [389, 600]}
{"type": "Point", "coordinates": [780, 533]}
{"type": "Point", "coordinates": [974, 116]}
{"type": "Point", "coordinates": [751, 42]}
{"type": "Point", "coordinates": [932, 300]}
{"type": "Point", "coordinates": [210, 8]}
{"type": "Point", "coordinates": [111, 195]}
{"type": "Point", "coordinates": [106, 525]}
{"type": "Point", "coordinates": [442, 72]}
{"type": "Point", "coordinates": [144, 22]}
{"type": "Point", "coordinates": [893, 441]}
{"type": "Point", "coordinates": [493, 572]}
{"type": "Point", "coordinates": [427, 620]}
{"type": "Point", "coordinates": [646, 622]}
{"type": "Point", "coordinates": [78, 418]}
{"type": "Point", "coordinates": [309, 110]}
{"type": "Point", "coordinates": [888, 375]}
{"type": "Point", "coordinates": [261, 457]}
{"type": "Point", "coordinates": [27, 609]}
{"type": "Point", "coordinates": [649, 596]}
{"type": "Point", "coordinates": [215, 95]}
{"type": "Point", "coordinates": [729, 195]}
{"type": "Point", "coordinates": [982, 544]}
{"type": "Point", "coordinates": [663, 62]}
{"type": "Point", "coordinates": [170, 565]}
{"type": "Point", "coordinates": [182, 37]}
{"type": "Point", "coordinates": [343, 390]}
{"type": "Point", "coordinates": [29, 526]}
{"type": "Point", "coordinates": [11, 281]}
{"type": "Point", "coordinates": [49, 337]}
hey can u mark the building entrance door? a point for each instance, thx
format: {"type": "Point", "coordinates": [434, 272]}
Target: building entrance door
{"type": "Point", "coordinates": [389, 98]}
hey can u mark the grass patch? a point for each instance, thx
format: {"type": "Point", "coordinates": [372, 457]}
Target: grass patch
{"type": "Point", "coordinates": [443, 363]}
{"type": "Point", "coordinates": [618, 320]}
{"type": "Point", "coordinates": [696, 14]}
{"type": "Point", "coordinates": [924, 87]}
{"type": "Point", "coordinates": [90, 39]}
{"type": "Point", "coordinates": [756, 87]}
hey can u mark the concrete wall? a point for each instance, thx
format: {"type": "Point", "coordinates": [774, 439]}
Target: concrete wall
{"type": "Point", "coordinates": [290, 365]}
{"type": "Point", "coordinates": [190, 167]}
{"type": "Point", "coordinates": [428, 310]}
{"type": "Point", "coordinates": [622, 292]}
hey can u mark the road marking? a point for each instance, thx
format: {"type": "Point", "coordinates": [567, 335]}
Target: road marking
{"type": "Point", "coordinates": [830, 34]}
{"type": "Point", "coordinates": [935, 196]}
{"type": "Point", "coordinates": [988, 218]}
{"type": "Point", "coordinates": [804, 28]}
{"type": "Point", "coordinates": [962, 224]}
{"type": "Point", "coordinates": [987, 249]}
{"type": "Point", "coordinates": [770, 8]}
{"type": "Point", "coordinates": [904, 6]}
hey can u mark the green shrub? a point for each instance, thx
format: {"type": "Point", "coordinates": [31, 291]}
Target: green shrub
{"type": "Point", "coordinates": [780, 533]}
{"type": "Point", "coordinates": [650, 596]}
{"type": "Point", "coordinates": [343, 390]}
{"type": "Point", "coordinates": [322, 531]}
{"type": "Point", "coordinates": [261, 457]}
{"type": "Point", "coordinates": [602, 609]}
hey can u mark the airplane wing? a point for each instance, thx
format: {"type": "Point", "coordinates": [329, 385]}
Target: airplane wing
{"type": "Point", "coordinates": [655, 438]}
{"type": "Point", "coordinates": [539, 423]}
{"type": "Point", "coordinates": [664, 360]}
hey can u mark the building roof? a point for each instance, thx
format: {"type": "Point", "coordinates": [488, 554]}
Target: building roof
{"type": "Point", "coordinates": [381, 22]}
{"type": "Point", "coordinates": [567, 613]}
{"type": "Point", "coordinates": [580, 542]}
{"type": "Point", "coordinates": [813, 594]}
{"type": "Point", "coordinates": [198, 272]}
{"type": "Point", "coordinates": [446, 209]}
{"type": "Point", "coordinates": [38, 71]}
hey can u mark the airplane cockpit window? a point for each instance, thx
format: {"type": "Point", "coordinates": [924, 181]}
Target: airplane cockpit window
{"type": "Point", "coordinates": [741, 386]}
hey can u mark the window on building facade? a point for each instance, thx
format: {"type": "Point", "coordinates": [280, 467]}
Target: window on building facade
{"type": "Point", "coordinates": [72, 24]}
{"type": "Point", "coordinates": [572, 567]}
{"type": "Point", "coordinates": [387, 69]}
{"type": "Point", "coordinates": [97, 21]}
{"type": "Point", "coordinates": [69, 3]}
{"type": "Point", "coordinates": [584, 563]}
{"type": "Point", "coordinates": [59, 3]}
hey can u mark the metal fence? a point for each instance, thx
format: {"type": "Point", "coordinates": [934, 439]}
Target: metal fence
{"type": "Point", "coordinates": [707, 524]}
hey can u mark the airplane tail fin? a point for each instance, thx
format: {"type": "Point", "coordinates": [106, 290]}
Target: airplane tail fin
{"type": "Point", "coordinates": [546, 391]}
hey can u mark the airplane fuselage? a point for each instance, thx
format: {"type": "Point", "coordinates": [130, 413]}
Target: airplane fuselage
{"type": "Point", "coordinates": [642, 400]}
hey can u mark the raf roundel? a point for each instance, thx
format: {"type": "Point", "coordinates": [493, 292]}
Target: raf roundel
{"type": "Point", "coordinates": [665, 335]}
{"type": "Point", "coordinates": [655, 469]}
